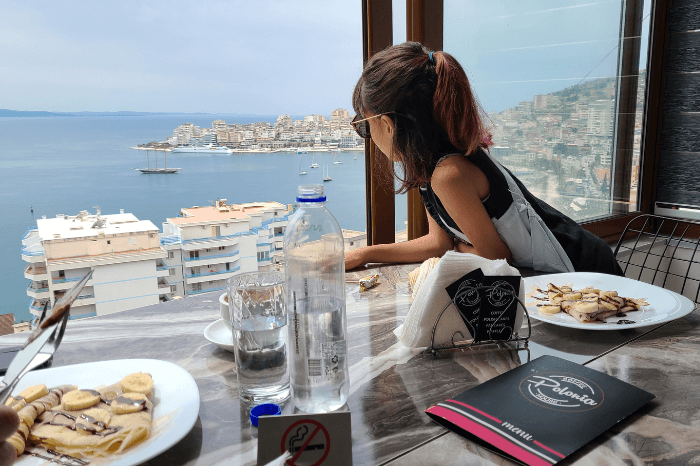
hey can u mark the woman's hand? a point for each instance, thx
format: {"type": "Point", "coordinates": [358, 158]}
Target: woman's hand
{"type": "Point", "coordinates": [9, 423]}
{"type": "Point", "coordinates": [354, 259]}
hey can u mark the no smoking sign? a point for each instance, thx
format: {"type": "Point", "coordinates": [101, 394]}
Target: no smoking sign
{"type": "Point", "coordinates": [310, 439]}
{"type": "Point", "coordinates": [308, 442]}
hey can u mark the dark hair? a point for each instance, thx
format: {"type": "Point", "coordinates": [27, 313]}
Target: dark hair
{"type": "Point", "coordinates": [435, 110]}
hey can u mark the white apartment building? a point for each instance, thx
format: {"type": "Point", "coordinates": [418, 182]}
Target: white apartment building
{"type": "Point", "coordinates": [601, 115]}
{"type": "Point", "coordinates": [123, 252]}
{"type": "Point", "coordinates": [207, 245]}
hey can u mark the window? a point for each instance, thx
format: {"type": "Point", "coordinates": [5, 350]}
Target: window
{"type": "Point", "coordinates": [551, 80]}
{"type": "Point", "coordinates": [171, 254]}
{"type": "Point", "coordinates": [171, 271]}
{"type": "Point", "coordinates": [109, 242]}
{"type": "Point", "coordinates": [312, 111]}
{"type": "Point", "coordinates": [452, 25]}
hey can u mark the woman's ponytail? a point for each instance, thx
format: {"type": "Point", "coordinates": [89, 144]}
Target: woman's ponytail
{"type": "Point", "coordinates": [455, 108]}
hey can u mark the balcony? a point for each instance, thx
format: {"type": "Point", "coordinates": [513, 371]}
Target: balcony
{"type": "Point", "coordinates": [220, 288]}
{"type": "Point", "coordinates": [36, 273]}
{"type": "Point", "coordinates": [67, 283]}
{"type": "Point", "coordinates": [166, 240]}
{"type": "Point", "coordinates": [84, 300]}
{"type": "Point", "coordinates": [33, 254]}
{"type": "Point", "coordinates": [31, 236]}
{"type": "Point", "coordinates": [163, 286]}
{"type": "Point", "coordinates": [213, 259]}
{"type": "Point", "coordinates": [215, 275]}
{"type": "Point", "coordinates": [38, 305]}
{"type": "Point", "coordinates": [266, 223]}
{"type": "Point", "coordinates": [38, 293]}
{"type": "Point", "coordinates": [161, 269]}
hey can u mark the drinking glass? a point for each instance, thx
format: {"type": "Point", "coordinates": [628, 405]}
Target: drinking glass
{"type": "Point", "coordinates": [259, 324]}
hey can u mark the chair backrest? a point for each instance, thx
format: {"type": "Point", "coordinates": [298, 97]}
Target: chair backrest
{"type": "Point", "coordinates": [662, 251]}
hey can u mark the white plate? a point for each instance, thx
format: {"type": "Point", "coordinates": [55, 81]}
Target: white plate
{"type": "Point", "coordinates": [664, 305]}
{"type": "Point", "coordinates": [175, 407]}
{"type": "Point", "coordinates": [217, 333]}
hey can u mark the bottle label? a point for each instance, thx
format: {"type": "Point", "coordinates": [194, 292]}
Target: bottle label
{"type": "Point", "coordinates": [332, 352]}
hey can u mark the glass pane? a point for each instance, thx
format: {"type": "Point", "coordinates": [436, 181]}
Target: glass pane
{"type": "Point", "coordinates": [546, 74]}
{"type": "Point", "coordinates": [398, 13]}
{"type": "Point", "coordinates": [635, 192]}
{"type": "Point", "coordinates": [262, 78]}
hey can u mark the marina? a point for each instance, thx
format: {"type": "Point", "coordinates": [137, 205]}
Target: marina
{"type": "Point", "coordinates": [95, 155]}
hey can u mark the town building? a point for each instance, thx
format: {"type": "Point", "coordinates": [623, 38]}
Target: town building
{"type": "Point", "coordinates": [205, 246]}
{"type": "Point", "coordinates": [123, 252]}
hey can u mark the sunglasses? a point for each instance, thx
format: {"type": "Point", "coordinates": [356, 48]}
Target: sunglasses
{"type": "Point", "coordinates": [362, 126]}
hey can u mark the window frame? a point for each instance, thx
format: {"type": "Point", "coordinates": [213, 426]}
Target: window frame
{"type": "Point", "coordinates": [424, 23]}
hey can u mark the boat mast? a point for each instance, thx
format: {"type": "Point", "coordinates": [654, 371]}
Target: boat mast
{"type": "Point", "coordinates": [148, 160]}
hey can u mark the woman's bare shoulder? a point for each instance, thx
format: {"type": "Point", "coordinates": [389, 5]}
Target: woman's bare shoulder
{"type": "Point", "coordinates": [457, 170]}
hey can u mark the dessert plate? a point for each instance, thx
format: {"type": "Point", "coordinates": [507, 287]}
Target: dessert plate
{"type": "Point", "coordinates": [664, 305]}
{"type": "Point", "coordinates": [175, 402]}
{"type": "Point", "coordinates": [217, 333]}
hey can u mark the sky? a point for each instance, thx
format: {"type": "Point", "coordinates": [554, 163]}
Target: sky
{"type": "Point", "coordinates": [272, 57]}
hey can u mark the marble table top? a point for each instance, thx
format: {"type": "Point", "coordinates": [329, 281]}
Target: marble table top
{"type": "Point", "coordinates": [391, 385]}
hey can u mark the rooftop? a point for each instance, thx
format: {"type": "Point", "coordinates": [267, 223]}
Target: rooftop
{"type": "Point", "coordinates": [222, 211]}
{"type": "Point", "coordinates": [85, 225]}
{"type": "Point", "coordinates": [352, 234]}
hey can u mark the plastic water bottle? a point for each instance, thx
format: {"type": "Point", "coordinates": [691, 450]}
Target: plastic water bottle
{"type": "Point", "coordinates": [315, 286]}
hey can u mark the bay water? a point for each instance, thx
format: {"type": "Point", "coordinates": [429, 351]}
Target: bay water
{"type": "Point", "coordinates": [62, 165]}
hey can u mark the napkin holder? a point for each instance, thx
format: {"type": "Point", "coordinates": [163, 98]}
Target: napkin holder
{"type": "Point", "coordinates": [464, 342]}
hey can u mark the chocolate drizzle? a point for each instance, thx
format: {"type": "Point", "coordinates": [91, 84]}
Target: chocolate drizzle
{"type": "Point", "coordinates": [58, 458]}
{"type": "Point", "coordinates": [76, 425]}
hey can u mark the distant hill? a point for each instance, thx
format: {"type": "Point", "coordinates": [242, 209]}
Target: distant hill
{"type": "Point", "coordinates": [19, 113]}
{"type": "Point", "coordinates": [4, 112]}
{"type": "Point", "coordinates": [593, 90]}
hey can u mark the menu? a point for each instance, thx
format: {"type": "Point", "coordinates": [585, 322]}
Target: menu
{"type": "Point", "coordinates": [541, 412]}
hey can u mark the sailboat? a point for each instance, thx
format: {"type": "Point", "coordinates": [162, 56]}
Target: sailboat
{"type": "Point", "coordinates": [313, 162]}
{"type": "Point", "coordinates": [301, 172]}
{"type": "Point", "coordinates": [327, 176]}
{"type": "Point", "coordinates": [157, 171]}
{"type": "Point", "coordinates": [336, 161]}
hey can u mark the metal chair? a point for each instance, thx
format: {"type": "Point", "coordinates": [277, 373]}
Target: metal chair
{"type": "Point", "coordinates": [662, 251]}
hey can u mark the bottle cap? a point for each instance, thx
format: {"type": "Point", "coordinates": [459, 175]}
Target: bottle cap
{"type": "Point", "coordinates": [268, 409]}
{"type": "Point", "coordinates": [310, 193]}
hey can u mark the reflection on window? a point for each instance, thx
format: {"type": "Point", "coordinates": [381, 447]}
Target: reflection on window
{"type": "Point", "coordinates": [546, 75]}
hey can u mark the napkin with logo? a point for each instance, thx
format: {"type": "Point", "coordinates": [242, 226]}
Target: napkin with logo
{"type": "Point", "coordinates": [432, 297]}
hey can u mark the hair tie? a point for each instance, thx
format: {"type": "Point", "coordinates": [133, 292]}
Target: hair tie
{"type": "Point", "coordinates": [430, 57]}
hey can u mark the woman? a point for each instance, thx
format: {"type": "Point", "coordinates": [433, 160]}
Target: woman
{"type": "Point", "coordinates": [419, 109]}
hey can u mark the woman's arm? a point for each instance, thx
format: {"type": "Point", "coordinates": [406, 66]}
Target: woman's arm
{"type": "Point", "coordinates": [434, 244]}
{"type": "Point", "coordinates": [460, 185]}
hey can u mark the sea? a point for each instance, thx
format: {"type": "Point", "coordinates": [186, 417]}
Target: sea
{"type": "Point", "coordinates": [65, 164]}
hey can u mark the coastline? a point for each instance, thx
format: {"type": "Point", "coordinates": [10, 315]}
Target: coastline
{"type": "Point", "coordinates": [270, 151]}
